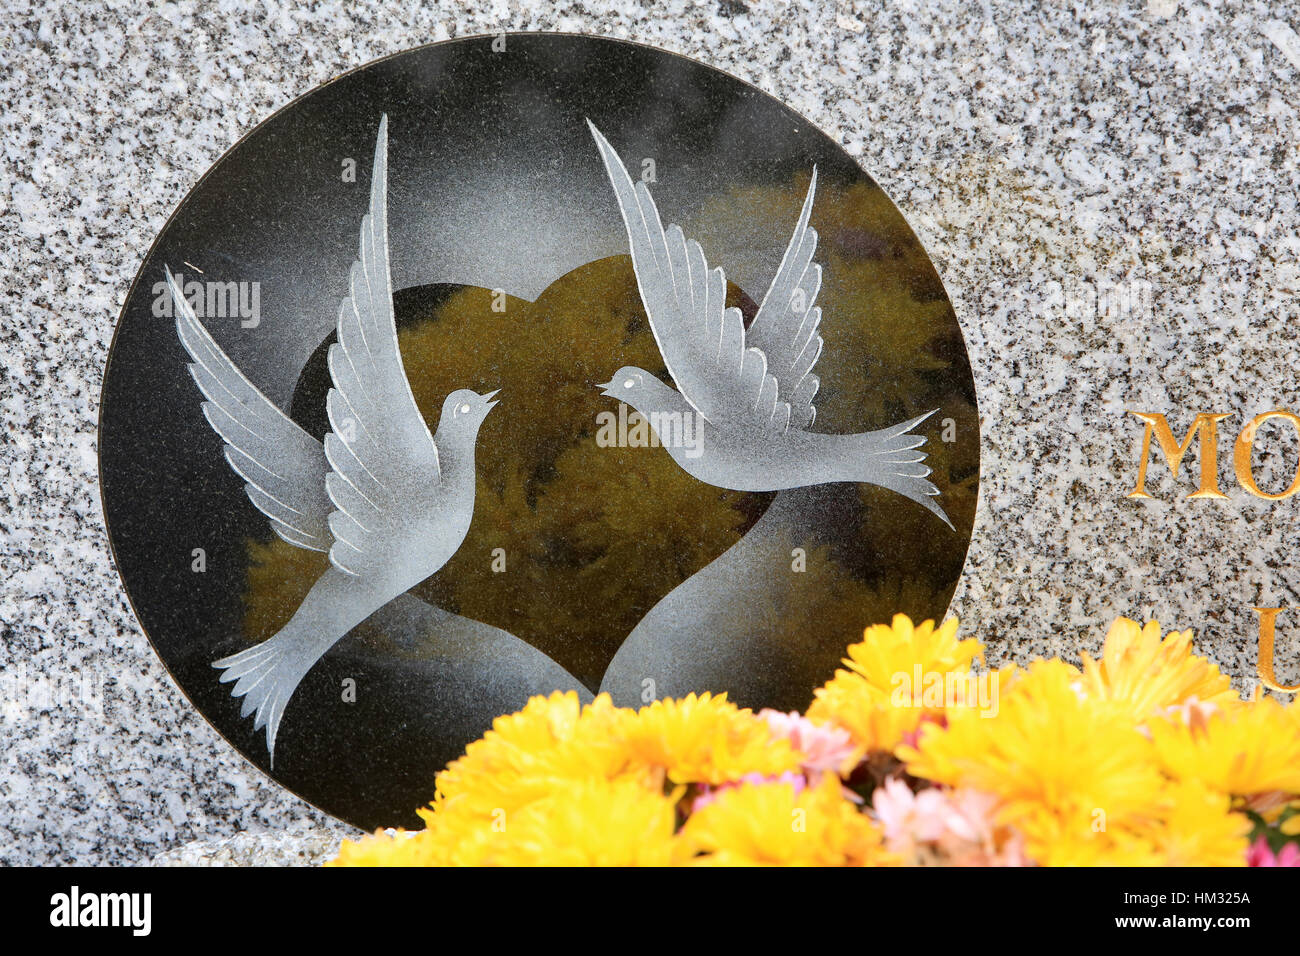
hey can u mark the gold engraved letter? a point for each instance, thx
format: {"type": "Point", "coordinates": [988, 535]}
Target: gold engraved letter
{"type": "Point", "coordinates": [1267, 626]}
{"type": "Point", "coordinates": [1241, 455]}
{"type": "Point", "coordinates": [1206, 426]}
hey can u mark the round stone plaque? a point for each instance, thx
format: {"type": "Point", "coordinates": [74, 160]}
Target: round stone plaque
{"type": "Point", "coordinates": [518, 364]}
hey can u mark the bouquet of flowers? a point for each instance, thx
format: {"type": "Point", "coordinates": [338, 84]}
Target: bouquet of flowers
{"type": "Point", "coordinates": [910, 755]}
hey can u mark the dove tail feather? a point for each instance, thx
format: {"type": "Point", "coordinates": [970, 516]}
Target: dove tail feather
{"type": "Point", "coordinates": [267, 675]}
{"type": "Point", "coordinates": [893, 462]}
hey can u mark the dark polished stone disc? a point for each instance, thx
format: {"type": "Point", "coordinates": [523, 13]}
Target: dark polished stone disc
{"type": "Point", "coordinates": [587, 565]}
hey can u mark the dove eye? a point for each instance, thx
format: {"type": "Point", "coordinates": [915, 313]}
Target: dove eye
{"type": "Point", "coordinates": [464, 409]}
{"type": "Point", "coordinates": [629, 383]}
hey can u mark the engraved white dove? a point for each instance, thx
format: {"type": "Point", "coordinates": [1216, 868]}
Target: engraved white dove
{"type": "Point", "coordinates": [387, 500]}
{"type": "Point", "coordinates": [750, 391]}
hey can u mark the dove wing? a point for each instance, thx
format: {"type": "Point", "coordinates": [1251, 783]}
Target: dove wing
{"type": "Point", "coordinates": [282, 466]}
{"type": "Point", "coordinates": [383, 460]}
{"type": "Point", "coordinates": [785, 328]}
{"type": "Point", "coordinates": [702, 341]}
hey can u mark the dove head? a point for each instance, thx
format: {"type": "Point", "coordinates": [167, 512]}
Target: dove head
{"type": "Point", "coordinates": [638, 388]}
{"type": "Point", "coordinates": [464, 410]}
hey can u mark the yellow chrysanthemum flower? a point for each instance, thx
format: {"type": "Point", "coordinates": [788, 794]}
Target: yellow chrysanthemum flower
{"type": "Point", "coordinates": [1080, 842]}
{"type": "Point", "coordinates": [1193, 826]}
{"type": "Point", "coordinates": [768, 824]}
{"type": "Point", "coordinates": [382, 848]}
{"type": "Point", "coordinates": [1247, 750]}
{"type": "Point", "coordinates": [589, 823]}
{"type": "Point", "coordinates": [1197, 828]}
{"type": "Point", "coordinates": [525, 754]}
{"type": "Point", "coordinates": [877, 699]}
{"type": "Point", "coordinates": [579, 823]}
{"type": "Point", "coordinates": [452, 837]}
{"type": "Point", "coordinates": [705, 739]}
{"type": "Point", "coordinates": [1149, 674]}
{"type": "Point", "coordinates": [1057, 757]}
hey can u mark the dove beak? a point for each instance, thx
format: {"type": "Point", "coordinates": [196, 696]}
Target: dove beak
{"type": "Point", "coordinates": [488, 398]}
{"type": "Point", "coordinates": [605, 387]}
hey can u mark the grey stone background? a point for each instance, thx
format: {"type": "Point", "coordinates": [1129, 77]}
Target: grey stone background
{"type": "Point", "coordinates": [1044, 154]}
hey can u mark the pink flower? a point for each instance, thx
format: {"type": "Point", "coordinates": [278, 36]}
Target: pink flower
{"type": "Point", "coordinates": [1261, 854]}
{"type": "Point", "coordinates": [825, 749]}
{"type": "Point", "coordinates": [909, 818]}
{"type": "Point", "coordinates": [945, 827]}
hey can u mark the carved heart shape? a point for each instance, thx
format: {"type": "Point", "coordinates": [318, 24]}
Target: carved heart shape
{"type": "Point", "coordinates": [571, 543]}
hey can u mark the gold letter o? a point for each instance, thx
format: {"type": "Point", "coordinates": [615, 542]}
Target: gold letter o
{"type": "Point", "coordinates": [1241, 455]}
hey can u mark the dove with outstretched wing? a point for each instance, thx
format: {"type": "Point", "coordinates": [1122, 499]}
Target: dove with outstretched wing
{"type": "Point", "coordinates": [389, 502]}
{"type": "Point", "coordinates": [749, 391]}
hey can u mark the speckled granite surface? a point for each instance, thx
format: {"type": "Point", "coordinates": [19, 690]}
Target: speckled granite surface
{"type": "Point", "coordinates": [1148, 149]}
